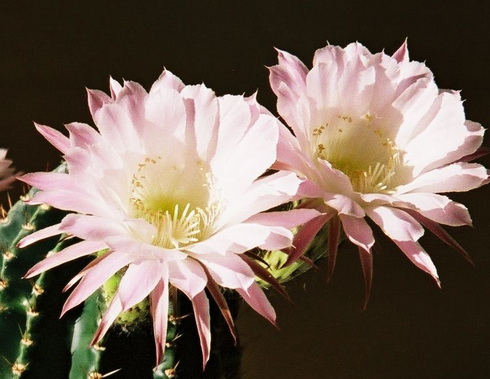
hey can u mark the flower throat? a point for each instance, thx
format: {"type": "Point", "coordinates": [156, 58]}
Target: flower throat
{"type": "Point", "coordinates": [176, 202]}
{"type": "Point", "coordinates": [361, 150]}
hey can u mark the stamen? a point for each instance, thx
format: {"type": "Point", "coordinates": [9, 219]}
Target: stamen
{"type": "Point", "coordinates": [360, 149]}
{"type": "Point", "coordinates": [178, 222]}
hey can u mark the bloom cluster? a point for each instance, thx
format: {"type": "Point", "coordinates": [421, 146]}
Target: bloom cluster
{"type": "Point", "coordinates": [175, 186]}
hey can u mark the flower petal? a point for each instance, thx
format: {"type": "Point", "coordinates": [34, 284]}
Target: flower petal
{"type": "Point", "coordinates": [69, 253]}
{"type": "Point", "coordinates": [263, 194]}
{"type": "Point", "coordinates": [256, 298]}
{"type": "Point", "coordinates": [456, 177]}
{"type": "Point", "coordinates": [39, 235]}
{"type": "Point", "coordinates": [357, 231]}
{"type": "Point", "coordinates": [366, 258]}
{"type": "Point", "coordinates": [97, 275]}
{"type": "Point", "coordinates": [260, 138]}
{"type": "Point", "coordinates": [188, 276]}
{"type": "Point", "coordinates": [286, 219]}
{"type": "Point", "coordinates": [138, 281]}
{"type": "Point", "coordinates": [54, 137]}
{"type": "Point", "coordinates": [90, 227]}
{"type": "Point", "coordinates": [228, 270]}
{"type": "Point", "coordinates": [437, 208]}
{"type": "Point", "coordinates": [50, 181]}
{"type": "Point", "coordinates": [304, 237]}
{"type": "Point", "coordinates": [396, 224]}
{"type": "Point", "coordinates": [159, 305]}
{"type": "Point", "coordinates": [242, 237]}
{"type": "Point", "coordinates": [200, 306]}
{"type": "Point", "coordinates": [419, 257]}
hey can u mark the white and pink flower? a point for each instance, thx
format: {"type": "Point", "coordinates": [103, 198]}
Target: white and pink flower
{"type": "Point", "coordinates": [170, 185]}
{"type": "Point", "coordinates": [7, 173]}
{"type": "Point", "coordinates": [375, 138]}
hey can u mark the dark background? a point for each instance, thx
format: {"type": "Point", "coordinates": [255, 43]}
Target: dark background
{"type": "Point", "coordinates": [51, 50]}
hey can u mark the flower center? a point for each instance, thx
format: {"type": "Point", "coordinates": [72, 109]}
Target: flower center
{"type": "Point", "coordinates": [360, 149]}
{"type": "Point", "coordinates": [176, 200]}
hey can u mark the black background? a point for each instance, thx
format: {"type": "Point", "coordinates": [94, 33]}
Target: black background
{"type": "Point", "coordinates": [51, 50]}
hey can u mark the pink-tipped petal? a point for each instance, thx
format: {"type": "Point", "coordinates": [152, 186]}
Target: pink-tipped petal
{"type": "Point", "coordinates": [289, 220]}
{"type": "Point", "coordinates": [188, 276]}
{"type": "Point", "coordinates": [243, 237]}
{"type": "Point", "coordinates": [159, 305]}
{"type": "Point", "coordinates": [396, 223]}
{"type": "Point", "coordinates": [401, 55]}
{"type": "Point", "coordinates": [39, 235]}
{"type": "Point", "coordinates": [68, 254]}
{"type": "Point", "coordinates": [205, 119]}
{"type": "Point", "coordinates": [96, 100]}
{"type": "Point", "coordinates": [358, 231]}
{"type": "Point", "coordinates": [440, 233]}
{"type": "Point", "coordinates": [200, 305]}
{"type": "Point", "coordinates": [457, 177]}
{"type": "Point", "coordinates": [256, 298]}
{"type": "Point", "coordinates": [110, 315]}
{"type": "Point", "coordinates": [82, 135]}
{"type": "Point", "coordinates": [228, 271]}
{"type": "Point", "coordinates": [288, 80]}
{"type": "Point", "coordinates": [419, 257]}
{"type": "Point", "coordinates": [366, 258]}
{"type": "Point", "coordinates": [50, 181]}
{"type": "Point", "coordinates": [54, 137]}
{"type": "Point", "coordinates": [344, 205]}
{"type": "Point", "coordinates": [265, 275]}
{"type": "Point", "coordinates": [138, 281]}
{"type": "Point", "coordinates": [115, 87]}
{"type": "Point", "coordinates": [167, 80]}
{"type": "Point", "coordinates": [133, 288]}
{"type": "Point", "coordinates": [304, 237]}
{"type": "Point", "coordinates": [333, 244]}
{"type": "Point", "coordinates": [220, 300]}
{"type": "Point", "coordinates": [90, 227]}
{"type": "Point", "coordinates": [265, 193]}
{"type": "Point", "coordinates": [437, 208]}
{"type": "Point", "coordinates": [86, 269]}
{"type": "Point", "coordinates": [69, 200]}
{"type": "Point", "coordinates": [95, 277]}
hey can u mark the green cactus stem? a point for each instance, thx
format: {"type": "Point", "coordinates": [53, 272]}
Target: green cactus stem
{"type": "Point", "coordinates": [46, 335]}
{"type": "Point", "coordinates": [85, 362]}
{"type": "Point", "coordinates": [15, 292]}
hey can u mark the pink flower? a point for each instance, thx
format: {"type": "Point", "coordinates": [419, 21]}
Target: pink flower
{"type": "Point", "coordinates": [375, 138]}
{"type": "Point", "coordinates": [170, 186]}
{"type": "Point", "coordinates": [7, 176]}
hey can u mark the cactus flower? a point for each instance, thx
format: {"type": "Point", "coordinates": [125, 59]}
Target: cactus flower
{"type": "Point", "coordinates": [169, 191]}
{"type": "Point", "coordinates": [375, 138]}
{"type": "Point", "coordinates": [6, 171]}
